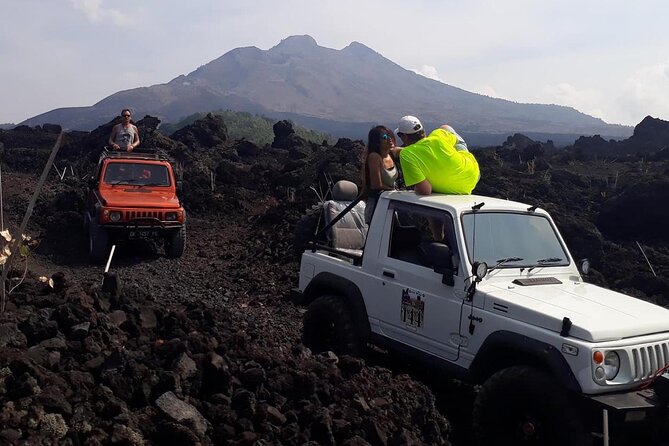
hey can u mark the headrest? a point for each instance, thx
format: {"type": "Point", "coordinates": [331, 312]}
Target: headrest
{"type": "Point", "coordinates": [344, 190]}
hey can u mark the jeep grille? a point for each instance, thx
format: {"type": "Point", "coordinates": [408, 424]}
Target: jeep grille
{"type": "Point", "coordinates": [131, 215]}
{"type": "Point", "coordinates": [649, 359]}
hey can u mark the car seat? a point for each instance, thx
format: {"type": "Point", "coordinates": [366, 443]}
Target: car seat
{"type": "Point", "coordinates": [350, 232]}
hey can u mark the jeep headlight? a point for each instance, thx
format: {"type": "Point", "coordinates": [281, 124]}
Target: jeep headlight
{"type": "Point", "coordinates": [611, 365]}
{"type": "Point", "coordinates": [607, 365]}
{"type": "Point", "coordinates": [115, 216]}
{"type": "Point", "coordinates": [171, 216]}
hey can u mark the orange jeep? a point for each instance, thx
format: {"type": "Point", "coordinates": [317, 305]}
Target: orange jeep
{"type": "Point", "coordinates": [133, 195]}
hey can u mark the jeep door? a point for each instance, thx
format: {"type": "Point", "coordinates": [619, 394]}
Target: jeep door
{"type": "Point", "coordinates": [409, 301]}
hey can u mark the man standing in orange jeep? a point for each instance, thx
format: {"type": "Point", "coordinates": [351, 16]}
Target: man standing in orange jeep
{"type": "Point", "coordinates": [124, 136]}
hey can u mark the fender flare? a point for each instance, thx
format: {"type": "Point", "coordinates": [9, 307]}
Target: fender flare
{"type": "Point", "coordinates": [501, 348]}
{"type": "Point", "coordinates": [328, 283]}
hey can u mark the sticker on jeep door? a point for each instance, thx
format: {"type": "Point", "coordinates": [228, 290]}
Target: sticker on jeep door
{"type": "Point", "coordinates": [413, 307]}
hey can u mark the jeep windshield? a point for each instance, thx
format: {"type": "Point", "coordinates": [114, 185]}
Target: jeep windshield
{"type": "Point", "coordinates": [512, 240]}
{"type": "Point", "coordinates": [136, 174]}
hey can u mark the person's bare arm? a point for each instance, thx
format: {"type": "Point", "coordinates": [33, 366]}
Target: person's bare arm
{"type": "Point", "coordinates": [374, 166]}
{"type": "Point", "coordinates": [135, 142]}
{"type": "Point", "coordinates": [111, 138]}
{"type": "Point", "coordinates": [395, 152]}
{"type": "Point", "coordinates": [423, 188]}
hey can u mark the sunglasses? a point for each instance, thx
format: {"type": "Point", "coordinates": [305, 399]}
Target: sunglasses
{"type": "Point", "coordinates": [126, 116]}
{"type": "Point", "coordinates": [386, 136]}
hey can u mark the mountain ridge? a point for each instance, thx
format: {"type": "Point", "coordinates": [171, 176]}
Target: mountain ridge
{"type": "Point", "coordinates": [299, 78]}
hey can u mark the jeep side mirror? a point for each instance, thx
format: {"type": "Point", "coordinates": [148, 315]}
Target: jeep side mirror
{"type": "Point", "coordinates": [442, 261]}
{"type": "Point", "coordinates": [584, 266]}
{"type": "Point", "coordinates": [180, 186]}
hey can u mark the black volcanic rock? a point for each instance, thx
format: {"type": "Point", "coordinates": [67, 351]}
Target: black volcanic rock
{"type": "Point", "coordinates": [282, 129]}
{"type": "Point", "coordinates": [593, 144]}
{"type": "Point", "coordinates": [207, 132]}
{"type": "Point", "coordinates": [638, 213]}
{"type": "Point", "coordinates": [286, 138]}
{"type": "Point", "coordinates": [215, 328]}
{"type": "Point", "coordinates": [518, 141]}
{"type": "Point", "coordinates": [651, 134]}
{"type": "Point", "coordinates": [527, 148]}
{"type": "Point", "coordinates": [246, 148]}
{"type": "Point", "coordinates": [26, 136]}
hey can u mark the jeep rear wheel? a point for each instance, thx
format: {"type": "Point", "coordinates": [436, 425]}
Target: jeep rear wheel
{"type": "Point", "coordinates": [175, 242]}
{"type": "Point", "coordinates": [98, 242]}
{"type": "Point", "coordinates": [328, 325]}
{"type": "Point", "coordinates": [521, 405]}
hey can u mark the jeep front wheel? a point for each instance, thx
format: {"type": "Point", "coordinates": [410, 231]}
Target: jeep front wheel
{"type": "Point", "coordinates": [329, 325]}
{"type": "Point", "coordinates": [175, 242]}
{"type": "Point", "coordinates": [98, 242]}
{"type": "Point", "coordinates": [521, 405]}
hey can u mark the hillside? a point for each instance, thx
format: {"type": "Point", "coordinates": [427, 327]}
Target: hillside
{"type": "Point", "coordinates": [343, 92]}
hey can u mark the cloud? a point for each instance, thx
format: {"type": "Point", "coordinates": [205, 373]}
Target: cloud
{"type": "Point", "coordinates": [429, 72]}
{"type": "Point", "coordinates": [96, 13]}
{"type": "Point", "coordinates": [585, 100]}
{"type": "Point", "coordinates": [646, 92]}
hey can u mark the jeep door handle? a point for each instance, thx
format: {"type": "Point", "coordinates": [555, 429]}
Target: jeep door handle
{"type": "Point", "coordinates": [389, 274]}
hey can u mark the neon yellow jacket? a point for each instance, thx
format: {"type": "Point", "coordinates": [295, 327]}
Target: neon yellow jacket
{"type": "Point", "coordinates": [435, 158]}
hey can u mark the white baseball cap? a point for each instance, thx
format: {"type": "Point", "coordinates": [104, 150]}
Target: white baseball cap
{"type": "Point", "coordinates": [409, 125]}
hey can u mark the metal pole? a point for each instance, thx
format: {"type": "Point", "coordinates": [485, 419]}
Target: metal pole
{"type": "Point", "coordinates": [647, 261]}
{"type": "Point", "coordinates": [605, 426]}
{"type": "Point", "coordinates": [111, 254]}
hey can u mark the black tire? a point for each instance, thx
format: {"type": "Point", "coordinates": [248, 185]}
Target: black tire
{"type": "Point", "coordinates": [521, 405]}
{"type": "Point", "coordinates": [98, 242]}
{"type": "Point", "coordinates": [175, 242]}
{"type": "Point", "coordinates": [329, 325]}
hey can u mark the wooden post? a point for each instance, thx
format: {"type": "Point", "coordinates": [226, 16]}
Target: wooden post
{"type": "Point", "coordinates": [24, 223]}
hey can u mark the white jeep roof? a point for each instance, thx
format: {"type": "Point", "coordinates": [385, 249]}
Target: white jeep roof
{"type": "Point", "coordinates": [457, 203]}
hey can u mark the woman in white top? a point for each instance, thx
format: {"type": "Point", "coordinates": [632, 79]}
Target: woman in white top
{"type": "Point", "coordinates": [379, 170]}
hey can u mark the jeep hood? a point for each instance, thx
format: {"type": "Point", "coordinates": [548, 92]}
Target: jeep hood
{"type": "Point", "coordinates": [139, 197]}
{"type": "Point", "coordinates": [597, 314]}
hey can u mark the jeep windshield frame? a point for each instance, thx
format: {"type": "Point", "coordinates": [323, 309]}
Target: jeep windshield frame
{"type": "Point", "coordinates": [504, 235]}
{"type": "Point", "coordinates": [136, 174]}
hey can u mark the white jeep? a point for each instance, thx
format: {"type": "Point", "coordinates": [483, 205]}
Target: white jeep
{"type": "Point", "coordinates": [487, 290]}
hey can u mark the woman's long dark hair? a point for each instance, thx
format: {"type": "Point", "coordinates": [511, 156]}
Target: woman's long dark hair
{"type": "Point", "coordinates": [373, 146]}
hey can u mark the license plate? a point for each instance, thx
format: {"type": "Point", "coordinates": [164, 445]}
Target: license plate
{"type": "Point", "coordinates": [143, 234]}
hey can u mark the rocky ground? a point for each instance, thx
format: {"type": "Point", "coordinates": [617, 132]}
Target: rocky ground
{"type": "Point", "coordinates": [206, 349]}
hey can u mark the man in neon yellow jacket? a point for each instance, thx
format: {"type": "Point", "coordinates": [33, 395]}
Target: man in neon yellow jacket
{"type": "Point", "coordinates": [438, 163]}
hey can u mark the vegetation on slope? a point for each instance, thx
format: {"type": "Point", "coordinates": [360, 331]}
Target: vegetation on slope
{"type": "Point", "coordinates": [243, 125]}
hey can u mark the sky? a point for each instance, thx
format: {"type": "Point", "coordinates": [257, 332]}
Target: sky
{"type": "Point", "coordinates": [606, 58]}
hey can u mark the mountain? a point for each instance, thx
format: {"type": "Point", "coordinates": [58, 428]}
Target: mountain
{"type": "Point", "coordinates": [339, 91]}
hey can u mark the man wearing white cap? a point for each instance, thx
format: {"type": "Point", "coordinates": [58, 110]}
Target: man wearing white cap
{"type": "Point", "coordinates": [439, 162]}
